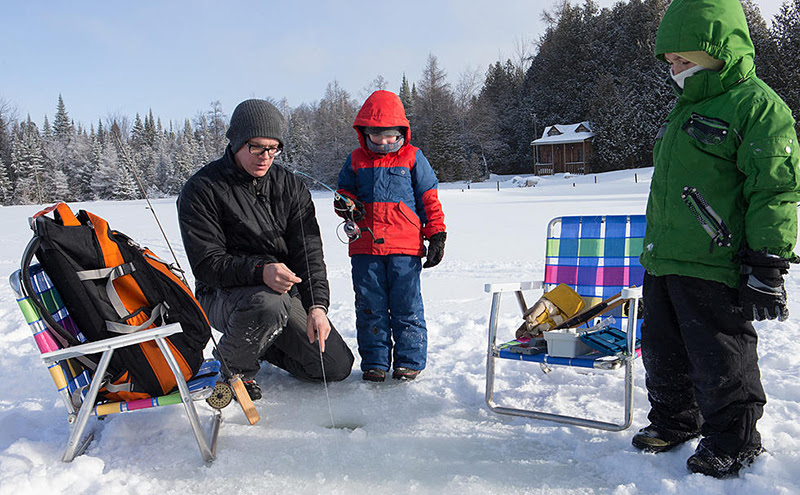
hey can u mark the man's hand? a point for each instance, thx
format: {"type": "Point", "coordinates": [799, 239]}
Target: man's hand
{"type": "Point", "coordinates": [318, 327]}
{"type": "Point", "coordinates": [279, 278]}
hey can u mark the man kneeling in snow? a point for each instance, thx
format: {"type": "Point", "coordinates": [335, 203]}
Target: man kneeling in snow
{"type": "Point", "coordinates": [254, 245]}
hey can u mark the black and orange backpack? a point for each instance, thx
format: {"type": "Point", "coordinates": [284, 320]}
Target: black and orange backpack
{"type": "Point", "coordinates": [110, 285]}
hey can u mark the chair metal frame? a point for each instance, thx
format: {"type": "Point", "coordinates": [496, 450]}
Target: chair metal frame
{"type": "Point", "coordinates": [78, 419]}
{"type": "Point", "coordinates": [625, 359]}
{"type": "Point", "coordinates": [79, 414]}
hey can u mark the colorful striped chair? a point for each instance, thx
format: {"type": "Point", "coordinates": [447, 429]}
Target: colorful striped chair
{"type": "Point", "coordinates": [598, 257]}
{"type": "Point", "coordinates": [73, 374]}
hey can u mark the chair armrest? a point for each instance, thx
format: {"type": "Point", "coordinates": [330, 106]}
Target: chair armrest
{"type": "Point", "coordinates": [632, 293]}
{"type": "Point", "coordinates": [513, 286]}
{"type": "Point", "coordinates": [112, 343]}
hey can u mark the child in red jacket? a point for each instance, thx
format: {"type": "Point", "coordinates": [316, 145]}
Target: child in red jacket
{"type": "Point", "coordinates": [388, 187]}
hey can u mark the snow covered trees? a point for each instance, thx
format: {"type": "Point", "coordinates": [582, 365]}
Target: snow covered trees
{"type": "Point", "coordinates": [64, 162]}
{"type": "Point", "coordinates": [590, 64]}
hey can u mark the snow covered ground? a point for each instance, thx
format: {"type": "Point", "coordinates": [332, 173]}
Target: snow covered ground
{"type": "Point", "coordinates": [431, 436]}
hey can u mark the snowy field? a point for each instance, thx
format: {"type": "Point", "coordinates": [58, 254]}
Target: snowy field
{"type": "Point", "coordinates": [431, 436]}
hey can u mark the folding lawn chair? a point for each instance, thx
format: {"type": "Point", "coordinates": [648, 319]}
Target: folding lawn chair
{"type": "Point", "coordinates": [598, 257]}
{"type": "Point", "coordinates": [73, 374]}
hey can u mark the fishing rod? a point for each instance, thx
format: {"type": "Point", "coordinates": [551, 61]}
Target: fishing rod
{"type": "Point", "coordinates": [234, 381]}
{"type": "Point", "coordinates": [351, 229]}
{"type": "Point", "coordinates": [132, 168]}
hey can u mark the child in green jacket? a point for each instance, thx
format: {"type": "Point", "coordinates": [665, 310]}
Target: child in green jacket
{"type": "Point", "coordinates": [721, 229]}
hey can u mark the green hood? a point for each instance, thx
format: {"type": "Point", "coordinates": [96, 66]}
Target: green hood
{"type": "Point", "coordinates": [717, 27]}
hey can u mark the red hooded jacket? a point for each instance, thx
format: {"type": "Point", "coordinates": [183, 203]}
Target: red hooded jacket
{"type": "Point", "coordinates": [399, 190]}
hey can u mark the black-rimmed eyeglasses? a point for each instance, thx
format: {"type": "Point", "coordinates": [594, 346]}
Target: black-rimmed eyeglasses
{"type": "Point", "coordinates": [257, 150]}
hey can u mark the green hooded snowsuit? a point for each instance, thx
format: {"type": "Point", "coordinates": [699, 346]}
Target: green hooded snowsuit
{"type": "Point", "coordinates": [732, 140]}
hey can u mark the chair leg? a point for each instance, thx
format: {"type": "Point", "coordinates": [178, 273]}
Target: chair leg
{"type": "Point", "coordinates": [188, 403]}
{"type": "Point", "coordinates": [216, 421]}
{"type": "Point", "coordinates": [76, 445]}
{"type": "Point", "coordinates": [490, 357]}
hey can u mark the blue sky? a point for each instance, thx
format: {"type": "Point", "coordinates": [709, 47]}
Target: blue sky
{"type": "Point", "coordinates": [176, 57]}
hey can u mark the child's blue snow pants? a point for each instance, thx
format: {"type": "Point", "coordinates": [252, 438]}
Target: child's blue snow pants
{"type": "Point", "coordinates": [389, 309]}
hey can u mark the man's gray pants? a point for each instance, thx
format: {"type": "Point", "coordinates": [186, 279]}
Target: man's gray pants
{"type": "Point", "coordinates": [257, 323]}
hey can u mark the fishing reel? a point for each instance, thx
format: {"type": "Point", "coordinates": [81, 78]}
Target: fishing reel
{"type": "Point", "coordinates": [349, 226]}
{"type": "Point", "coordinates": [351, 229]}
{"type": "Point", "coordinates": [353, 232]}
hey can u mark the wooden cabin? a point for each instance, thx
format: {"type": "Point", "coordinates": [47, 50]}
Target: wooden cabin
{"type": "Point", "coordinates": [563, 148]}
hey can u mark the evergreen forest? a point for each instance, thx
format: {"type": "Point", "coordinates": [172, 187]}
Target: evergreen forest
{"type": "Point", "coordinates": [590, 64]}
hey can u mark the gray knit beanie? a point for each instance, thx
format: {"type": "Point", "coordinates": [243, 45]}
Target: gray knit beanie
{"type": "Point", "coordinates": [255, 118]}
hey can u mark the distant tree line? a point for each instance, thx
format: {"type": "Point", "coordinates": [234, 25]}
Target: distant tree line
{"type": "Point", "coordinates": [590, 64]}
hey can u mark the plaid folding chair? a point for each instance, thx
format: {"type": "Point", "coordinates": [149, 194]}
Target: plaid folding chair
{"type": "Point", "coordinates": [74, 374]}
{"type": "Point", "coordinates": [598, 257]}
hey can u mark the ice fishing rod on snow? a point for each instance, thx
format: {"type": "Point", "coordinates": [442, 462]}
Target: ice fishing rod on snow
{"type": "Point", "coordinates": [234, 382]}
{"type": "Point", "coordinates": [349, 225]}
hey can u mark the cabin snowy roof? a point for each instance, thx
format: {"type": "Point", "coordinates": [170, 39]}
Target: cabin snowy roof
{"type": "Point", "coordinates": [565, 134]}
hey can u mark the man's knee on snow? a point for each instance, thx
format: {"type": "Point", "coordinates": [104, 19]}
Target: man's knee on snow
{"type": "Point", "coordinates": [260, 314]}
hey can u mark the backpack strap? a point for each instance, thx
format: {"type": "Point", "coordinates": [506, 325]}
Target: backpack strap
{"type": "Point", "coordinates": [111, 253]}
{"type": "Point", "coordinates": [29, 292]}
{"type": "Point", "coordinates": [62, 212]}
{"type": "Point", "coordinates": [111, 274]}
{"type": "Point", "coordinates": [159, 311]}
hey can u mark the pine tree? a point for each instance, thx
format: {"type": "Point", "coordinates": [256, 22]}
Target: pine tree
{"type": "Point", "coordinates": [434, 100]}
{"type": "Point", "coordinates": [27, 164]}
{"type": "Point", "coordinates": [786, 35]}
{"type": "Point", "coordinates": [217, 126]}
{"type": "Point", "coordinates": [299, 150]}
{"type": "Point", "coordinates": [185, 162]}
{"type": "Point", "coordinates": [101, 133]}
{"type": "Point", "coordinates": [125, 187]}
{"type": "Point", "coordinates": [333, 133]}
{"type": "Point", "coordinates": [107, 176]}
{"type": "Point", "coordinates": [505, 134]}
{"type": "Point", "coordinates": [47, 131]}
{"type": "Point", "coordinates": [87, 168]}
{"type": "Point", "coordinates": [6, 188]}
{"type": "Point", "coordinates": [138, 137]}
{"type": "Point", "coordinates": [407, 99]}
{"type": "Point", "coordinates": [631, 96]}
{"type": "Point", "coordinates": [150, 130]}
{"type": "Point", "coordinates": [62, 126]}
{"type": "Point", "coordinates": [58, 188]}
{"type": "Point", "coordinates": [164, 170]}
{"type": "Point", "coordinates": [445, 152]}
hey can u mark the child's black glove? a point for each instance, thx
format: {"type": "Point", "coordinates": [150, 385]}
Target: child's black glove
{"type": "Point", "coordinates": [345, 207]}
{"type": "Point", "coordinates": [435, 249]}
{"type": "Point", "coordinates": [761, 292]}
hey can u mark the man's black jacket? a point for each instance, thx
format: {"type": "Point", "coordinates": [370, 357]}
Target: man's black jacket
{"type": "Point", "coordinates": [232, 224]}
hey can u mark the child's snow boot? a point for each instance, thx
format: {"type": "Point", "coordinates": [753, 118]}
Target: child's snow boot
{"type": "Point", "coordinates": [655, 440]}
{"type": "Point", "coordinates": [405, 373]}
{"type": "Point", "coordinates": [374, 375]}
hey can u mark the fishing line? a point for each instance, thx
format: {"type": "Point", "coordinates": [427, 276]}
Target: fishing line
{"type": "Point", "coordinates": [349, 226]}
{"type": "Point", "coordinates": [177, 266]}
{"type": "Point", "coordinates": [313, 303]}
